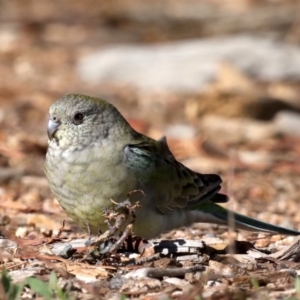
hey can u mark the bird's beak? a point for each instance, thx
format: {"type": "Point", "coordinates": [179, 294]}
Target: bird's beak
{"type": "Point", "coordinates": [52, 128]}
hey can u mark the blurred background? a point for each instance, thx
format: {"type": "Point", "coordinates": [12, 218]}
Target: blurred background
{"type": "Point", "coordinates": [219, 78]}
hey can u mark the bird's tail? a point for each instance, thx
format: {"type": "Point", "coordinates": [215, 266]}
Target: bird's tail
{"type": "Point", "coordinates": [209, 212]}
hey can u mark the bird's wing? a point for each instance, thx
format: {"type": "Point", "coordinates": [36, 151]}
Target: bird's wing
{"type": "Point", "coordinates": [210, 212]}
{"type": "Point", "coordinates": [175, 186]}
{"type": "Point", "coordinates": [172, 184]}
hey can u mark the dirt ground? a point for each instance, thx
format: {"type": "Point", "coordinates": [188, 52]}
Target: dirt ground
{"type": "Point", "coordinates": [229, 129]}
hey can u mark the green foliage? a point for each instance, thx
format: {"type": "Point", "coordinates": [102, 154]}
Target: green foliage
{"type": "Point", "coordinates": [254, 283]}
{"type": "Point", "coordinates": [40, 287]}
{"type": "Point", "coordinates": [297, 286]}
{"type": "Point", "coordinates": [48, 291]}
{"type": "Point", "coordinates": [60, 293]}
{"type": "Point", "coordinates": [297, 289]}
{"type": "Point", "coordinates": [12, 291]}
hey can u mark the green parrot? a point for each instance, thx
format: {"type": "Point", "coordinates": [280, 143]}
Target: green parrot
{"type": "Point", "coordinates": [95, 156]}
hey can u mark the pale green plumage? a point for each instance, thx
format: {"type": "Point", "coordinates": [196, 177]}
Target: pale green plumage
{"type": "Point", "coordinates": [94, 156]}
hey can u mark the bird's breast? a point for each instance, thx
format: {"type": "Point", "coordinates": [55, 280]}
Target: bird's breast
{"type": "Point", "coordinates": [85, 182]}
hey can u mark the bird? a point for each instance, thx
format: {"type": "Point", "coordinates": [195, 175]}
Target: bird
{"type": "Point", "coordinates": [94, 156]}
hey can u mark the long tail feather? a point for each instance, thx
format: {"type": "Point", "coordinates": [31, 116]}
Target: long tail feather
{"type": "Point", "coordinates": [210, 212]}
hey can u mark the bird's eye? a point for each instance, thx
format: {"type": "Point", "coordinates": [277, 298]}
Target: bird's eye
{"type": "Point", "coordinates": [78, 118]}
{"type": "Point", "coordinates": [54, 118]}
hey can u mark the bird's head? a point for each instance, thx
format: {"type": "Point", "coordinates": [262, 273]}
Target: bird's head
{"type": "Point", "coordinates": [78, 120]}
